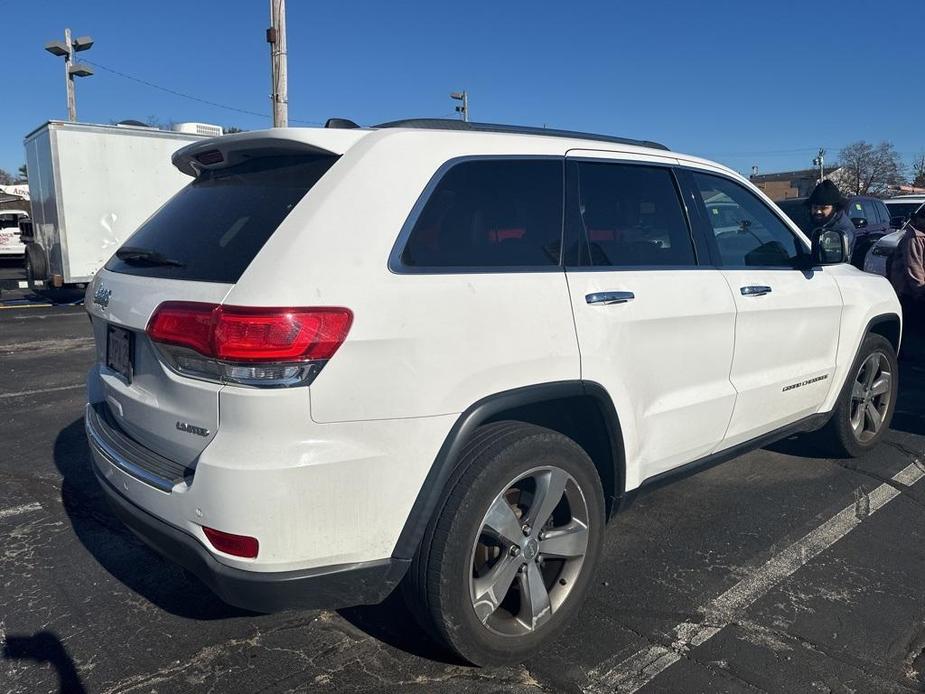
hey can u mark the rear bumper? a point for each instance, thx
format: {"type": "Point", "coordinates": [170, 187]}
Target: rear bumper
{"type": "Point", "coordinates": [328, 587]}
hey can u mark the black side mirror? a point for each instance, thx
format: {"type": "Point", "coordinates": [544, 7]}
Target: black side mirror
{"type": "Point", "coordinates": [830, 247]}
{"type": "Point", "coordinates": [859, 222]}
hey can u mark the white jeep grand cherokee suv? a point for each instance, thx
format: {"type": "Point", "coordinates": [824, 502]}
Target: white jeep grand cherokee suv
{"type": "Point", "coordinates": [444, 354]}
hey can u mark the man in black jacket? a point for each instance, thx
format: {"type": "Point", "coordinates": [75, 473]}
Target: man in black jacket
{"type": "Point", "coordinates": [827, 207]}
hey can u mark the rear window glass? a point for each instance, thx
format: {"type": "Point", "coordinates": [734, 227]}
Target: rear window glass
{"type": "Point", "coordinates": [490, 213]}
{"type": "Point", "coordinates": [213, 228]}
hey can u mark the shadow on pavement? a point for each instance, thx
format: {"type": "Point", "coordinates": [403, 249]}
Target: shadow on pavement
{"type": "Point", "coordinates": [116, 549]}
{"type": "Point", "coordinates": [391, 622]}
{"type": "Point", "coordinates": [45, 647]}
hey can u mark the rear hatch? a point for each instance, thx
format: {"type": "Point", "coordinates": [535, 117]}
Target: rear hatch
{"type": "Point", "coordinates": [193, 249]}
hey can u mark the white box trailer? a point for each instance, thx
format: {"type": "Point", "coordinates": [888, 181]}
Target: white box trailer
{"type": "Point", "coordinates": [91, 186]}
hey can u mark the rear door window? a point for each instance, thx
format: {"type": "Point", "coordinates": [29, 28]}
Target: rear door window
{"type": "Point", "coordinates": [490, 213]}
{"type": "Point", "coordinates": [213, 228]}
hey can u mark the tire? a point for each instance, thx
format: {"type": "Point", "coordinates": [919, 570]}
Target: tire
{"type": "Point", "coordinates": [502, 467]}
{"type": "Point", "coordinates": [35, 267]}
{"type": "Point", "coordinates": [847, 435]}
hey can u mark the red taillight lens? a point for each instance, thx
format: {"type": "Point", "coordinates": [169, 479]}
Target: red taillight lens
{"type": "Point", "coordinates": [279, 334]}
{"type": "Point", "coordinates": [235, 545]}
{"type": "Point", "coordinates": [183, 323]}
{"type": "Point", "coordinates": [244, 334]}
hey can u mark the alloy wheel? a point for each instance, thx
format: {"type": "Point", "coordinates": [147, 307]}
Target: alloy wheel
{"type": "Point", "coordinates": [529, 551]}
{"type": "Point", "coordinates": [870, 397]}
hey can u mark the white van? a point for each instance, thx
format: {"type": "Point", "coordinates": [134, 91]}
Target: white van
{"type": "Point", "coordinates": [10, 244]}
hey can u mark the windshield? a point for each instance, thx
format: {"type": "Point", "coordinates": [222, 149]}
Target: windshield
{"type": "Point", "coordinates": [213, 228]}
{"type": "Point", "coordinates": [902, 209]}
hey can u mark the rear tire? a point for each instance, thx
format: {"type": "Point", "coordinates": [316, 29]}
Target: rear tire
{"type": "Point", "coordinates": [35, 268]}
{"type": "Point", "coordinates": [506, 561]}
{"type": "Point", "coordinates": [867, 401]}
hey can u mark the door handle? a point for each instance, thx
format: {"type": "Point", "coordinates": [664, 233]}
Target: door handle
{"type": "Point", "coordinates": [755, 290]}
{"type": "Point", "coordinates": [609, 297]}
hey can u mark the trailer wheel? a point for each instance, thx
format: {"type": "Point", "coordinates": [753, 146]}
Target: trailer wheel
{"type": "Point", "coordinates": [35, 267]}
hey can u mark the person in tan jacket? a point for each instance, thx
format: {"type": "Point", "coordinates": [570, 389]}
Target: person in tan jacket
{"type": "Point", "coordinates": [907, 275]}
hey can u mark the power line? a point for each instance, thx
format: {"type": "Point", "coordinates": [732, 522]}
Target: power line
{"type": "Point", "coordinates": [190, 96]}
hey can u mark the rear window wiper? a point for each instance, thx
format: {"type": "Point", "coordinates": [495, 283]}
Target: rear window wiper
{"type": "Point", "coordinates": [144, 256]}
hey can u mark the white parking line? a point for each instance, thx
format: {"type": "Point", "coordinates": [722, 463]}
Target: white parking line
{"type": "Point", "coordinates": [23, 393]}
{"type": "Point", "coordinates": [631, 674]}
{"type": "Point", "coordinates": [16, 510]}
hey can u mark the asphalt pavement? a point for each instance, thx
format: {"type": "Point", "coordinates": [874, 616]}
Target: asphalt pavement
{"type": "Point", "coordinates": [779, 571]}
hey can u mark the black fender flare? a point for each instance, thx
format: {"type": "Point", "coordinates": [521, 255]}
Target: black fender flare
{"type": "Point", "coordinates": [478, 413]}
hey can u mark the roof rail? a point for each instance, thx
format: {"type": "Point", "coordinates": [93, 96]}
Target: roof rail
{"type": "Point", "coordinates": [451, 124]}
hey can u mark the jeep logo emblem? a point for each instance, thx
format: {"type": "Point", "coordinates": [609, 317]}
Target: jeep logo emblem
{"type": "Point", "coordinates": [101, 296]}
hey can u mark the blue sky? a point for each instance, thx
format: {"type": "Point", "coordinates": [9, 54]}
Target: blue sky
{"type": "Point", "coordinates": [741, 82]}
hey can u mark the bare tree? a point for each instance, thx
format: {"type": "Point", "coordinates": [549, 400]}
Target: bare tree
{"type": "Point", "coordinates": [918, 171]}
{"type": "Point", "coordinates": [869, 169]}
{"type": "Point", "coordinates": [6, 179]}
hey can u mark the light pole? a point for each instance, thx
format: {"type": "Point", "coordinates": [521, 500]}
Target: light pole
{"type": "Point", "coordinates": [820, 162]}
{"type": "Point", "coordinates": [276, 37]}
{"type": "Point", "coordinates": [463, 108]}
{"type": "Point", "coordinates": [67, 49]}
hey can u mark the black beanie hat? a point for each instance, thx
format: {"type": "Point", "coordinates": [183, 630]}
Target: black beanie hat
{"type": "Point", "coordinates": [826, 193]}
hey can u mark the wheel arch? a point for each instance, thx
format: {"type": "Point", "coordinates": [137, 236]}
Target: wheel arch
{"type": "Point", "coordinates": [581, 410]}
{"type": "Point", "coordinates": [888, 325]}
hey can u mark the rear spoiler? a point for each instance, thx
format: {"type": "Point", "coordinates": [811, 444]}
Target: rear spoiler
{"type": "Point", "coordinates": [228, 150]}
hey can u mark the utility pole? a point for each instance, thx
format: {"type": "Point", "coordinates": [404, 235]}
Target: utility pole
{"type": "Point", "coordinates": [276, 37]}
{"type": "Point", "coordinates": [820, 162]}
{"type": "Point", "coordinates": [67, 49]}
{"type": "Point", "coordinates": [462, 109]}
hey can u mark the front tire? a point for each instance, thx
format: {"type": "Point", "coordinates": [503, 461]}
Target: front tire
{"type": "Point", "coordinates": [866, 404]}
{"type": "Point", "coordinates": [506, 562]}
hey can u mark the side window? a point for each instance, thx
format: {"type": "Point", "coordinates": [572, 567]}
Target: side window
{"type": "Point", "coordinates": [630, 216]}
{"type": "Point", "coordinates": [746, 232]}
{"type": "Point", "coordinates": [490, 213]}
{"type": "Point", "coordinates": [8, 221]}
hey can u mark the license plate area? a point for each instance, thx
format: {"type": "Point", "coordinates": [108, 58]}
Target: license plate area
{"type": "Point", "coordinates": [120, 345]}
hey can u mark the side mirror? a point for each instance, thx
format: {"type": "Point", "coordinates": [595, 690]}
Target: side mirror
{"type": "Point", "coordinates": [830, 247]}
{"type": "Point", "coordinates": [859, 222]}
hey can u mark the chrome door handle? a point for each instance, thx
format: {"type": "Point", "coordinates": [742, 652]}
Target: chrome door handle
{"type": "Point", "coordinates": [609, 297]}
{"type": "Point", "coordinates": [755, 290]}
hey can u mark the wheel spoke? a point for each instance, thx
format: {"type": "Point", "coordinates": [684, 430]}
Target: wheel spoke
{"type": "Point", "coordinates": [874, 416]}
{"type": "Point", "coordinates": [491, 588]}
{"type": "Point", "coordinates": [550, 486]}
{"type": "Point", "coordinates": [534, 598]}
{"type": "Point", "coordinates": [502, 521]}
{"type": "Point", "coordinates": [857, 420]}
{"type": "Point", "coordinates": [872, 367]}
{"type": "Point", "coordinates": [882, 385]}
{"type": "Point", "coordinates": [858, 391]}
{"type": "Point", "coordinates": [570, 541]}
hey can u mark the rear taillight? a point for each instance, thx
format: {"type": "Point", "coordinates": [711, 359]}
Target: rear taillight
{"type": "Point", "coordinates": [245, 345]}
{"type": "Point", "coordinates": [229, 543]}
